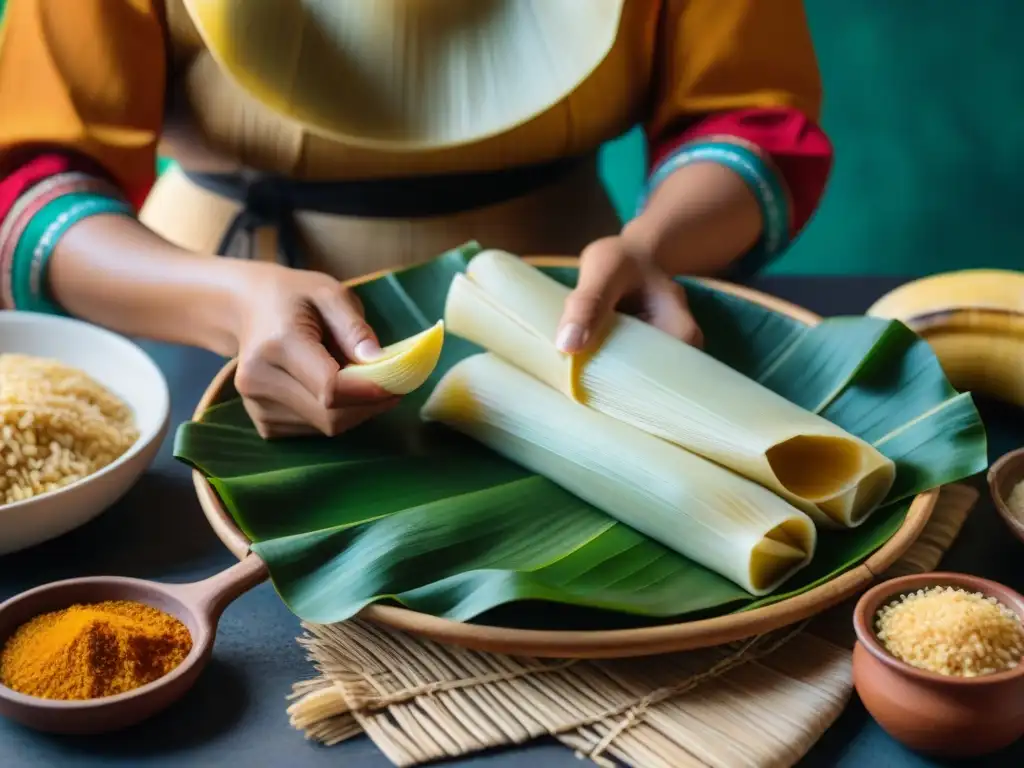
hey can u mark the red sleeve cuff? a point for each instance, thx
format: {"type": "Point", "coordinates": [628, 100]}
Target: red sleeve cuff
{"type": "Point", "coordinates": [33, 167]}
{"type": "Point", "coordinates": [797, 145]}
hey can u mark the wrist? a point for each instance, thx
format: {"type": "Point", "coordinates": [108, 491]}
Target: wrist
{"type": "Point", "coordinates": [232, 288]}
{"type": "Point", "coordinates": [700, 220]}
{"type": "Point", "coordinates": [112, 271]}
{"type": "Point", "coordinates": [640, 243]}
{"type": "Point", "coordinates": [195, 300]}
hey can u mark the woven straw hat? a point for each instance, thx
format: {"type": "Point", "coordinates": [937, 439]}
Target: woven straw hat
{"type": "Point", "coordinates": [408, 74]}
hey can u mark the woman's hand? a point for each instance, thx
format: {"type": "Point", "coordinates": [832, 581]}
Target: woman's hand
{"type": "Point", "coordinates": [292, 331]}
{"type": "Point", "coordinates": [296, 330]}
{"type": "Point", "coordinates": [614, 275]}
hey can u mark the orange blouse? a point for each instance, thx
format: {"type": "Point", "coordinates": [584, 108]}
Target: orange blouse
{"type": "Point", "coordinates": [90, 75]}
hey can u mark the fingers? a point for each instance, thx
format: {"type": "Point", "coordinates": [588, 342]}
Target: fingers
{"type": "Point", "coordinates": [342, 313]}
{"type": "Point", "coordinates": [608, 276]}
{"type": "Point", "coordinates": [280, 404]}
{"type": "Point", "coordinates": [273, 421]}
{"type": "Point", "coordinates": [303, 357]}
{"type": "Point", "coordinates": [668, 309]}
{"type": "Point", "coordinates": [271, 425]}
{"type": "Point", "coordinates": [309, 363]}
{"type": "Point", "coordinates": [289, 366]}
{"type": "Point", "coordinates": [280, 407]}
{"type": "Point", "coordinates": [605, 276]}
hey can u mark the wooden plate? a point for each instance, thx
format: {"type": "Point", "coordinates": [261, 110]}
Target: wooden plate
{"type": "Point", "coordinates": [618, 643]}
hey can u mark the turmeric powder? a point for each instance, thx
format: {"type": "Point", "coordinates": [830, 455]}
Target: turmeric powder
{"type": "Point", "coordinates": [94, 650]}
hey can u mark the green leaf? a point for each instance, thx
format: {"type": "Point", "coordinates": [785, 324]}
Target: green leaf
{"type": "Point", "coordinates": [416, 515]}
{"type": "Point", "coordinates": [726, 320]}
{"type": "Point", "coordinates": [822, 360]}
{"type": "Point", "coordinates": [536, 542]}
{"type": "Point", "coordinates": [838, 551]}
{"type": "Point", "coordinates": [938, 433]}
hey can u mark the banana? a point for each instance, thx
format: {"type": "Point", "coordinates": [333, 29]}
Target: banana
{"type": "Point", "coordinates": [974, 320]}
{"type": "Point", "coordinates": [405, 365]}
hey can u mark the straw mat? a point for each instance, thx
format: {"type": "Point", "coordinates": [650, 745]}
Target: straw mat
{"type": "Point", "coordinates": [760, 703]}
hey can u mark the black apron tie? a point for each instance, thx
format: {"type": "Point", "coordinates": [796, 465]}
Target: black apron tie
{"type": "Point", "coordinates": [271, 201]}
{"type": "Point", "coordinates": [265, 203]}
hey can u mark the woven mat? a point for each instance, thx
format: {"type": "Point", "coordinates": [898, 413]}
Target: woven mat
{"type": "Point", "coordinates": [760, 703]}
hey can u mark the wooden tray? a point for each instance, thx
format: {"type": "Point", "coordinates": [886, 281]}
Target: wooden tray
{"type": "Point", "coordinates": [646, 641]}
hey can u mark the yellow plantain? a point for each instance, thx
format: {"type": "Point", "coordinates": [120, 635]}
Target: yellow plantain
{"type": "Point", "coordinates": [405, 365]}
{"type": "Point", "coordinates": [974, 320]}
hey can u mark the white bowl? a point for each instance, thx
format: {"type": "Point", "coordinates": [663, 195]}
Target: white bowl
{"type": "Point", "coordinates": [126, 370]}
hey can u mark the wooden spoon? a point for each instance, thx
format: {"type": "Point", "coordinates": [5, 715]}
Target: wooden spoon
{"type": "Point", "coordinates": [198, 606]}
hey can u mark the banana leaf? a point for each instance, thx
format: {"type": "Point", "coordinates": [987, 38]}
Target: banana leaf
{"type": "Point", "coordinates": [413, 514]}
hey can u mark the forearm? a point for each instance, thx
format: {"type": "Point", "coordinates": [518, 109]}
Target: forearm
{"type": "Point", "coordinates": [68, 243]}
{"type": "Point", "coordinates": [113, 271]}
{"type": "Point", "coordinates": [699, 221]}
{"type": "Point", "coordinates": [729, 193]}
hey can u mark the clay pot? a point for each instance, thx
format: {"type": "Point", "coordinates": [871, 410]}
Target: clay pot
{"type": "Point", "coordinates": [934, 714]}
{"type": "Point", "coordinates": [1003, 476]}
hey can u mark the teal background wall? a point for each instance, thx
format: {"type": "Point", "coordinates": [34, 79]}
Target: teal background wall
{"type": "Point", "coordinates": [622, 164]}
{"type": "Point", "coordinates": [925, 106]}
{"type": "Point", "coordinates": [924, 102]}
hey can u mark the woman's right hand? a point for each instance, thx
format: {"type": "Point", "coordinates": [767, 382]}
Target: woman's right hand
{"type": "Point", "coordinates": [295, 331]}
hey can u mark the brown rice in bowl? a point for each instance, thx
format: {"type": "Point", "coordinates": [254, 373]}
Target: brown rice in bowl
{"type": "Point", "coordinates": [57, 426]}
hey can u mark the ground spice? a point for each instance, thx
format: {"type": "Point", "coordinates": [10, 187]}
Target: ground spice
{"type": "Point", "coordinates": [89, 651]}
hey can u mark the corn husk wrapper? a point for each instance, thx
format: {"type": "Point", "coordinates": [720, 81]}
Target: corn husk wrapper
{"type": "Point", "coordinates": [647, 379]}
{"type": "Point", "coordinates": [723, 521]}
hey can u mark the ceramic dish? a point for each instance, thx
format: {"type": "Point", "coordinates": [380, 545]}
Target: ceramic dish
{"type": "Point", "coordinates": [931, 713]}
{"type": "Point", "coordinates": [122, 367]}
{"type": "Point", "coordinates": [1003, 476]}
{"type": "Point", "coordinates": [198, 606]}
{"type": "Point", "coordinates": [681, 636]}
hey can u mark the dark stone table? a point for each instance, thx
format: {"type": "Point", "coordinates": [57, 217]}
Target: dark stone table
{"type": "Point", "coordinates": [236, 713]}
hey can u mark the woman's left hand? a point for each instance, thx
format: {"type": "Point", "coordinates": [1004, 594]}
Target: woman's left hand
{"type": "Point", "coordinates": [614, 275]}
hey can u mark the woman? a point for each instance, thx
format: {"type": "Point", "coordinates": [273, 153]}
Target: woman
{"type": "Point", "coordinates": [321, 141]}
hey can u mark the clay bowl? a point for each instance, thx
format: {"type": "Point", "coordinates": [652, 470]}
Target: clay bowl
{"type": "Point", "coordinates": [1002, 477]}
{"type": "Point", "coordinates": [949, 717]}
{"type": "Point", "coordinates": [198, 606]}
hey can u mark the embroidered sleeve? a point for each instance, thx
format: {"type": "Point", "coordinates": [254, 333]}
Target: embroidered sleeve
{"type": "Point", "coordinates": [738, 84]}
{"type": "Point", "coordinates": [44, 195]}
{"type": "Point", "coordinates": [86, 76]}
